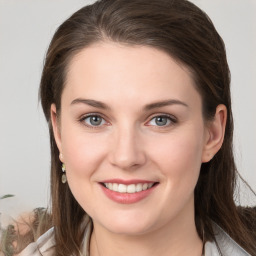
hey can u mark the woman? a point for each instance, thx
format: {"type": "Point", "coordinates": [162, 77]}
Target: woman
{"type": "Point", "coordinates": [137, 97]}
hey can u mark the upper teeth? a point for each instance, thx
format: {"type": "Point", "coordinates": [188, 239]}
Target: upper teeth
{"type": "Point", "coordinates": [132, 188]}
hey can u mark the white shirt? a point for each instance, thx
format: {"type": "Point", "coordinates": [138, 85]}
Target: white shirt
{"type": "Point", "coordinates": [45, 244]}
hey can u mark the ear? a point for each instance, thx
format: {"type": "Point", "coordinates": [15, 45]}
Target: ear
{"type": "Point", "coordinates": [56, 127]}
{"type": "Point", "coordinates": [215, 133]}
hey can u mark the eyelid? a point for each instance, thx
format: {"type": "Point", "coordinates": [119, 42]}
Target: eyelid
{"type": "Point", "coordinates": [82, 118]}
{"type": "Point", "coordinates": [172, 119]}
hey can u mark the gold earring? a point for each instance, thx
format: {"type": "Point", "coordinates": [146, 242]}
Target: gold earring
{"type": "Point", "coordinates": [63, 177]}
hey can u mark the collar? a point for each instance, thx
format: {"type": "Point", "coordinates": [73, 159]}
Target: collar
{"type": "Point", "coordinates": [224, 246]}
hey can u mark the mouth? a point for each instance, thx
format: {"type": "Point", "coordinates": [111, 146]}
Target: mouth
{"type": "Point", "coordinates": [127, 191]}
{"type": "Point", "coordinates": [131, 188]}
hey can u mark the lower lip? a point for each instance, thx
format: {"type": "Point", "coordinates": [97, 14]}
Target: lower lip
{"type": "Point", "coordinates": [127, 198]}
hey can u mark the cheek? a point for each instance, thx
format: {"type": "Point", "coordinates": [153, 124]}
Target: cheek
{"type": "Point", "coordinates": [83, 154]}
{"type": "Point", "coordinates": [179, 156]}
{"type": "Point", "coordinates": [179, 160]}
{"type": "Point", "coordinates": [82, 151]}
{"type": "Point", "coordinates": [178, 152]}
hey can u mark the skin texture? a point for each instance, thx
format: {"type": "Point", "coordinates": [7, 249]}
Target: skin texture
{"type": "Point", "coordinates": [130, 144]}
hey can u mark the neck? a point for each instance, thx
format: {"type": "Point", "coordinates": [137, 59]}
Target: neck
{"type": "Point", "coordinates": [179, 237]}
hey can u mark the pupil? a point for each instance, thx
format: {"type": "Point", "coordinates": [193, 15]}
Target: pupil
{"type": "Point", "coordinates": [95, 120]}
{"type": "Point", "coordinates": [161, 121]}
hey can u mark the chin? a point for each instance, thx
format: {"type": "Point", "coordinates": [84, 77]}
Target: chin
{"type": "Point", "coordinates": [130, 230]}
{"type": "Point", "coordinates": [129, 225]}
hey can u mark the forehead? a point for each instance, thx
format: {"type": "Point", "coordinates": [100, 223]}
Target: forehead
{"type": "Point", "coordinates": [113, 71]}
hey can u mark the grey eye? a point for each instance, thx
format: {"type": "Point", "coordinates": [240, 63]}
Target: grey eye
{"type": "Point", "coordinates": [161, 120]}
{"type": "Point", "coordinates": [94, 120]}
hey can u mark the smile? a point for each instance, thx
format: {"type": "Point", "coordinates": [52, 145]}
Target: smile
{"type": "Point", "coordinates": [131, 188]}
{"type": "Point", "coordinates": [127, 192]}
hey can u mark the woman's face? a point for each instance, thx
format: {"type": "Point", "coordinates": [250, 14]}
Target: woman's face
{"type": "Point", "coordinates": [132, 136]}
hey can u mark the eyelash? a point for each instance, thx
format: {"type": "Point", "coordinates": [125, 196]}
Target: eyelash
{"type": "Point", "coordinates": [170, 118]}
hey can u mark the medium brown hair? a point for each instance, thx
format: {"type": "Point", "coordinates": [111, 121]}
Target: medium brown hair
{"type": "Point", "coordinates": [186, 33]}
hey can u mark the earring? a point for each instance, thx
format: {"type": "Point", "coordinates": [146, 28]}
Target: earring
{"type": "Point", "coordinates": [63, 177]}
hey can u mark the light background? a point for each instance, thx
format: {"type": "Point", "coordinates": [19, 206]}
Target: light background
{"type": "Point", "coordinates": [26, 28]}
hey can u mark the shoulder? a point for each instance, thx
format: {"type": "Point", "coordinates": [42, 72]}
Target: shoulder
{"type": "Point", "coordinates": [225, 245]}
{"type": "Point", "coordinates": [25, 231]}
{"type": "Point", "coordinates": [43, 246]}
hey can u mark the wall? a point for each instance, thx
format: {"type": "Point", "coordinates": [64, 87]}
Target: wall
{"type": "Point", "coordinates": [26, 28]}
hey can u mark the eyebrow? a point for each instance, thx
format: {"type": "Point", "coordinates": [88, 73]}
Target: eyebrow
{"type": "Point", "coordinates": [164, 103]}
{"type": "Point", "coordinates": [101, 105]}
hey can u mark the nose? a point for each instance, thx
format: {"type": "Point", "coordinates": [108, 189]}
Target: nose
{"type": "Point", "coordinates": [127, 150]}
